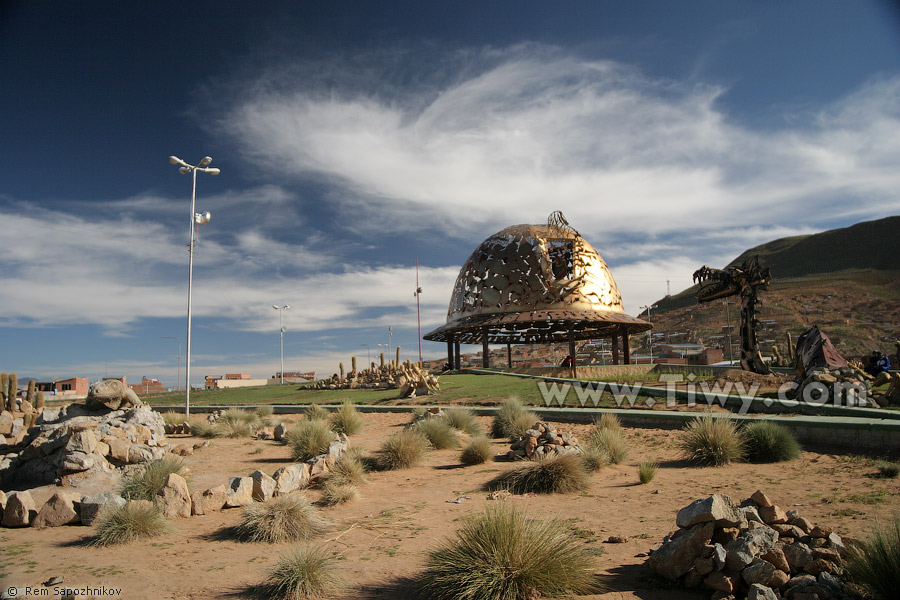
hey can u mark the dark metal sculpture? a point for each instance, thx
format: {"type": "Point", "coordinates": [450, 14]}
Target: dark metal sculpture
{"type": "Point", "coordinates": [745, 280]}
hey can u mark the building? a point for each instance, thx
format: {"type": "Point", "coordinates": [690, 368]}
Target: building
{"type": "Point", "coordinates": [71, 388]}
{"type": "Point", "coordinates": [148, 386]}
{"type": "Point", "coordinates": [295, 376]}
{"type": "Point", "coordinates": [232, 380]}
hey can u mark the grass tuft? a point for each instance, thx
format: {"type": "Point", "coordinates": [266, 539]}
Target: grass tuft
{"type": "Point", "coordinates": [304, 572]}
{"type": "Point", "coordinates": [314, 412]}
{"type": "Point", "coordinates": [512, 420]}
{"type": "Point", "coordinates": [170, 417]}
{"type": "Point", "coordinates": [349, 468]}
{"type": "Point", "coordinates": [438, 433]}
{"type": "Point", "coordinates": [502, 554]}
{"type": "Point", "coordinates": [464, 420]}
{"type": "Point", "coordinates": [288, 518]}
{"type": "Point", "coordinates": [477, 451]}
{"type": "Point", "coordinates": [338, 491]}
{"type": "Point", "coordinates": [594, 459]}
{"type": "Point", "coordinates": [264, 411]}
{"type": "Point", "coordinates": [205, 429]}
{"type": "Point", "coordinates": [309, 439]}
{"type": "Point", "coordinates": [403, 450]}
{"type": "Point", "coordinates": [347, 420]}
{"type": "Point", "coordinates": [556, 475]}
{"type": "Point", "coordinates": [129, 522]}
{"type": "Point", "coordinates": [887, 469]}
{"type": "Point", "coordinates": [608, 421]}
{"type": "Point", "coordinates": [609, 441]}
{"type": "Point", "coordinates": [875, 563]}
{"type": "Point", "coordinates": [149, 479]}
{"type": "Point", "coordinates": [647, 471]}
{"type": "Point", "coordinates": [768, 442]}
{"type": "Point", "coordinates": [712, 440]}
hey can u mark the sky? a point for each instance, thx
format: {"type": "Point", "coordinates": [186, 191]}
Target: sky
{"type": "Point", "coordinates": [355, 138]}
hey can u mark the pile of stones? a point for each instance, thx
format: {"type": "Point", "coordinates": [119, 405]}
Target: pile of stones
{"type": "Point", "coordinates": [543, 441]}
{"type": "Point", "coordinates": [754, 550]}
{"type": "Point", "coordinates": [409, 378]}
{"type": "Point", "coordinates": [111, 429]}
{"type": "Point", "coordinates": [844, 386]}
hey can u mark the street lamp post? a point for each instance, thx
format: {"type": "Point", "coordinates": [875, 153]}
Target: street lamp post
{"type": "Point", "coordinates": [280, 310]}
{"type": "Point", "coordinates": [649, 334]}
{"type": "Point", "coordinates": [178, 376]}
{"type": "Point", "coordinates": [196, 219]}
{"type": "Point", "coordinates": [368, 356]}
{"type": "Point", "coordinates": [418, 310]}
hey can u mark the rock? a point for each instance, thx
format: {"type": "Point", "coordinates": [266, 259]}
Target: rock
{"type": "Point", "coordinates": [751, 514]}
{"type": "Point", "coordinates": [820, 532]}
{"type": "Point", "coordinates": [182, 450]}
{"type": "Point", "coordinates": [6, 423]}
{"type": "Point", "coordinates": [290, 478]}
{"type": "Point", "coordinates": [19, 511]}
{"type": "Point", "coordinates": [704, 566]}
{"type": "Point", "coordinates": [174, 498]}
{"type": "Point", "coordinates": [829, 554]}
{"type": "Point", "coordinates": [616, 539]}
{"type": "Point", "coordinates": [779, 579]}
{"type": "Point", "coordinates": [777, 558]}
{"type": "Point", "coordinates": [834, 541]}
{"type": "Point", "coordinates": [818, 565]}
{"type": "Point", "coordinates": [102, 449]}
{"type": "Point", "coordinates": [75, 462]}
{"type": "Point", "coordinates": [335, 449]}
{"type": "Point", "coordinates": [802, 523]}
{"type": "Point", "coordinates": [82, 441]}
{"type": "Point", "coordinates": [2, 502]}
{"type": "Point", "coordinates": [772, 514]}
{"type": "Point", "coordinates": [263, 486]}
{"type": "Point", "coordinates": [759, 571]}
{"type": "Point", "coordinates": [718, 556]}
{"type": "Point", "coordinates": [692, 579]}
{"type": "Point", "coordinates": [139, 453]}
{"type": "Point", "coordinates": [787, 530]}
{"type": "Point", "coordinates": [211, 500]}
{"type": "Point", "coordinates": [264, 434]}
{"type": "Point", "coordinates": [720, 581]}
{"type": "Point", "coordinates": [90, 506]}
{"type": "Point", "coordinates": [240, 492]}
{"type": "Point", "coordinates": [57, 511]}
{"type": "Point", "coordinates": [760, 498]}
{"type": "Point", "coordinates": [318, 468]}
{"type": "Point", "coordinates": [718, 508]}
{"type": "Point", "coordinates": [118, 448]}
{"type": "Point", "coordinates": [279, 432]}
{"type": "Point", "coordinates": [798, 555]}
{"type": "Point", "coordinates": [725, 535]}
{"type": "Point", "coordinates": [748, 546]}
{"type": "Point", "coordinates": [829, 582]}
{"type": "Point", "coordinates": [760, 592]}
{"type": "Point", "coordinates": [112, 394]}
{"type": "Point", "coordinates": [676, 557]}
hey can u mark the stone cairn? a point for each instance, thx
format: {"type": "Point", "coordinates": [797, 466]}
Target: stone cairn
{"type": "Point", "coordinates": [409, 378]}
{"type": "Point", "coordinates": [754, 550]}
{"type": "Point", "coordinates": [543, 441]}
{"type": "Point", "coordinates": [844, 386]}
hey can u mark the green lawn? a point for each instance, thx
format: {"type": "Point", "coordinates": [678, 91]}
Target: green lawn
{"type": "Point", "coordinates": [469, 389]}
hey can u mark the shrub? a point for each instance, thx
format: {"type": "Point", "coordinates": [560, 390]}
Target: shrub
{"type": "Point", "coordinates": [768, 442]}
{"type": "Point", "coordinates": [304, 572]}
{"type": "Point", "coordinates": [338, 491]}
{"type": "Point", "coordinates": [887, 469]}
{"type": "Point", "coordinates": [314, 412]}
{"type": "Point", "coordinates": [264, 411]}
{"type": "Point", "coordinates": [349, 468]}
{"type": "Point", "coordinates": [403, 450]}
{"type": "Point", "coordinates": [712, 440]}
{"type": "Point", "coordinates": [239, 417]}
{"type": "Point", "coordinates": [512, 420]}
{"type": "Point", "coordinates": [149, 479]}
{"type": "Point", "coordinates": [875, 563]}
{"type": "Point", "coordinates": [129, 522]}
{"type": "Point", "coordinates": [463, 419]}
{"type": "Point", "coordinates": [502, 554]}
{"type": "Point", "coordinates": [609, 441]}
{"type": "Point", "coordinates": [170, 417]}
{"type": "Point", "coordinates": [286, 518]}
{"type": "Point", "coordinates": [346, 419]}
{"type": "Point", "coordinates": [439, 434]}
{"type": "Point", "coordinates": [608, 421]}
{"type": "Point", "coordinates": [594, 459]}
{"type": "Point", "coordinates": [477, 451]}
{"type": "Point", "coordinates": [309, 439]}
{"type": "Point", "coordinates": [559, 474]}
{"type": "Point", "coordinates": [647, 470]}
{"type": "Point", "coordinates": [205, 429]}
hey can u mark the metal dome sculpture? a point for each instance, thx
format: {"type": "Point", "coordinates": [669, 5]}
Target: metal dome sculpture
{"type": "Point", "coordinates": [536, 284]}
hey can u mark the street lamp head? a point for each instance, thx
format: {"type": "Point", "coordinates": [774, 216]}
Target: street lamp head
{"type": "Point", "coordinates": [184, 170]}
{"type": "Point", "coordinates": [275, 307]}
{"type": "Point", "coordinates": [204, 161]}
{"type": "Point", "coordinates": [202, 218]}
{"type": "Point", "coordinates": [286, 306]}
{"type": "Point", "coordinates": [211, 170]}
{"type": "Point", "coordinates": [177, 161]}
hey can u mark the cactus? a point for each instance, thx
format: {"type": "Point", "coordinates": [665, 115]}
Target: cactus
{"type": "Point", "coordinates": [39, 400]}
{"type": "Point", "coordinates": [13, 388]}
{"type": "Point", "coordinates": [353, 365]}
{"type": "Point", "coordinates": [382, 360]}
{"type": "Point", "coordinates": [29, 395]}
{"type": "Point", "coordinates": [397, 361]}
{"type": "Point", "coordinates": [341, 365]}
{"type": "Point", "coordinates": [4, 390]}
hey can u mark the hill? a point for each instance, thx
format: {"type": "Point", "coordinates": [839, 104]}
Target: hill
{"type": "Point", "coordinates": [845, 280]}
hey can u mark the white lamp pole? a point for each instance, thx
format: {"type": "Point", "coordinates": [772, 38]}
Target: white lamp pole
{"type": "Point", "coordinates": [418, 311]}
{"type": "Point", "coordinates": [368, 356]}
{"type": "Point", "coordinates": [649, 334]}
{"type": "Point", "coordinates": [280, 310]}
{"type": "Point", "coordinates": [196, 219]}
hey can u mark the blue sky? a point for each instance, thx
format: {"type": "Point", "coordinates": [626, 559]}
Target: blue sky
{"type": "Point", "coordinates": [354, 138]}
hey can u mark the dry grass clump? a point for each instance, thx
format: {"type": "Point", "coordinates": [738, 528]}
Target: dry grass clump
{"type": "Point", "coordinates": [887, 469]}
{"type": "Point", "coordinates": [768, 442]}
{"type": "Point", "coordinates": [314, 412]}
{"type": "Point", "coordinates": [403, 450]}
{"type": "Point", "coordinates": [477, 451]}
{"type": "Point", "coordinates": [512, 420]}
{"type": "Point", "coordinates": [309, 439]}
{"type": "Point", "coordinates": [594, 459]}
{"type": "Point", "coordinates": [149, 479]}
{"type": "Point", "coordinates": [463, 419]}
{"type": "Point", "coordinates": [304, 572]}
{"type": "Point", "coordinates": [438, 432]}
{"type": "Point", "coordinates": [610, 442]}
{"type": "Point", "coordinates": [502, 554]}
{"type": "Point", "coordinates": [874, 564]}
{"type": "Point", "coordinates": [608, 421]}
{"type": "Point", "coordinates": [556, 475]}
{"type": "Point", "coordinates": [347, 420]}
{"type": "Point", "coordinates": [336, 491]}
{"type": "Point", "coordinates": [647, 471]}
{"type": "Point", "coordinates": [287, 518]}
{"type": "Point", "coordinates": [349, 468]}
{"type": "Point", "coordinates": [170, 417]}
{"type": "Point", "coordinates": [205, 429]}
{"type": "Point", "coordinates": [265, 411]}
{"type": "Point", "coordinates": [129, 522]}
{"type": "Point", "coordinates": [712, 440]}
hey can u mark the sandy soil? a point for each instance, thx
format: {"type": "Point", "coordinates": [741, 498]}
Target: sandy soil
{"type": "Point", "coordinates": [385, 534]}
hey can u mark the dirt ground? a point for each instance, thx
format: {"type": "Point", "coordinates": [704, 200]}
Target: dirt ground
{"type": "Point", "coordinates": [384, 535]}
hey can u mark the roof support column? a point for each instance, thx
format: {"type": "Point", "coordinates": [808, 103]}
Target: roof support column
{"type": "Point", "coordinates": [456, 352]}
{"type": "Point", "coordinates": [450, 353]}
{"type": "Point", "coordinates": [572, 350]}
{"type": "Point", "coordinates": [614, 340]}
{"type": "Point", "coordinates": [626, 351]}
{"type": "Point", "coordinates": [509, 354]}
{"type": "Point", "coordinates": [485, 356]}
